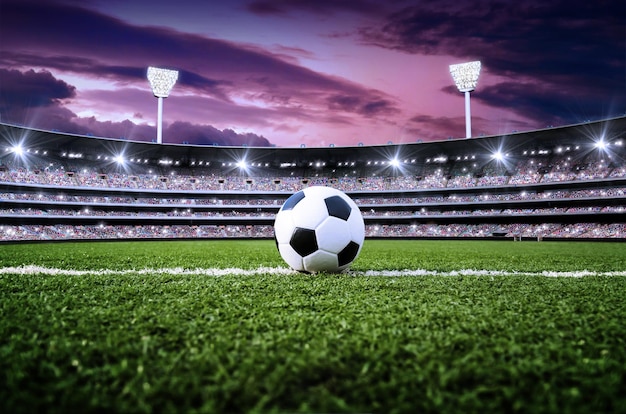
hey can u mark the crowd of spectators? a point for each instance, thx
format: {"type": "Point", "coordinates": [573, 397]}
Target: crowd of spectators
{"type": "Point", "coordinates": [525, 172]}
{"type": "Point", "coordinates": [91, 212]}
{"type": "Point", "coordinates": [512, 231]}
{"type": "Point", "coordinates": [197, 200]}
{"type": "Point", "coordinates": [361, 200]}
{"type": "Point", "coordinates": [95, 232]}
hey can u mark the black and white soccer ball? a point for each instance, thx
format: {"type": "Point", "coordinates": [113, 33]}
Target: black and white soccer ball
{"type": "Point", "coordinates": [319, 229]}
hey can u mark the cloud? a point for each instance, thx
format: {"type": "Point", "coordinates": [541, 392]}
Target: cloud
{"type": "Point", "coordinates": [543, 103]}
{"type": "Point", "coordinates": [35, 99]}
{"type": "Point", "coordinates": [427, 127]}
{"type": "Point", "coordinates": [104, 46]}
{"type": "Point", "coordinates": [556, 48]}
{"type": "Point", "coordinates": [356, 104]}
{"type": "Point", "coordinates": [69, 39]}
{"type": "Point", "coordinates": [543, 63]}
{"type": "Point", "coordinates": [320, 7]}
{"type": "Point", "coordinates": [207, 135]}
{"type": "Point", "coordinates": [120, 129]}
{"type": "Point", "coordinates": [31, 89]}
{"type": "Point", "coordinates": [178, 132]}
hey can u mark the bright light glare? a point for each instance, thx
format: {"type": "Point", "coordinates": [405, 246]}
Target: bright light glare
{"type": "Point", "coordinates": [498, 155]}
{"type": "Point", "coordinates": [120, 159]}
{"type": "Point", "coordinates": [18, 150]}
{"type": "Point", "coordinates": [601, 144]}
{"type": "Point", "coordinates": [394, 163]}
{"type": "Point", "coordinates": [242, 164]}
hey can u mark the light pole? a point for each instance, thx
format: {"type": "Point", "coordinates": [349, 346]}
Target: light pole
{"type": "Point", "coordinates": [162, 81]}
{"type": "Point", "coordinates": [465, 77]}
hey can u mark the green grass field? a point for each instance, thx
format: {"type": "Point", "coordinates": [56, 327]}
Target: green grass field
{"type": "Point", "coordinates": [222, 326]}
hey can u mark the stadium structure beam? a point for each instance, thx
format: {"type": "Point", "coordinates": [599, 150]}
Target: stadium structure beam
{"type": "Point", "coordinates": [465, 76]}
{"type": "Point", "coordinates": [162, 81]}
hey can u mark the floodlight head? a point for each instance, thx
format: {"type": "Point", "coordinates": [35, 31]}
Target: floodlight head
{"type": "Point", "coordinates": [465, 75]}
{"type": "Point", "coordinates": [162, 81]}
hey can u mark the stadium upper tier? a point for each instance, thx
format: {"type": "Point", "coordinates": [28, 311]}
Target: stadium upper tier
{"type": "Point", "coordinates": [559, 182]}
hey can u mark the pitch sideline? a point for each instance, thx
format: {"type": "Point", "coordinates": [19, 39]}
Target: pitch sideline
{"type": "Point", "coordinates": [42, 270]}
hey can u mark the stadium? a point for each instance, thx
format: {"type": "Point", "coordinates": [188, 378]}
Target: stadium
{"type": "Point", "coordinates": [188, 307]}
{"type": "Point", "coordinates": [268, 206]}
{"type": "Point", "coordinates": [556, 183]}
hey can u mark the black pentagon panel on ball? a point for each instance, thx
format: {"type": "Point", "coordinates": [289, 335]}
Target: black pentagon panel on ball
{"type": "Point", "coordinates": [338, 207]}
{"type": "Point", "coordinates": [348, 254]}
{"type": "Point", "coordinates": [293, 200]}
{"type": "Point", "coordinates": [303, 241]}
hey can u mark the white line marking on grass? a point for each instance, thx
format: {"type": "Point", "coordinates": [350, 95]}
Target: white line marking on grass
{"type": "Point", "coordinates": [41, 270]}
{"type": "Point", "coordinates": [473, 272]}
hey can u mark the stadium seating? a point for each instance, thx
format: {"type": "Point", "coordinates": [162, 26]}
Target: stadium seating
{"type": "Point", "coordinates": [61, 187]}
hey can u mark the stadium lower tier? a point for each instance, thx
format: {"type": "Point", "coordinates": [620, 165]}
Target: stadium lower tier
{"type": "Point", "coordinates": [11, 233]}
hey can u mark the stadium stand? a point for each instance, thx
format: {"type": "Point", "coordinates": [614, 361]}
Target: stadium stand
{"type": "Point", "coordinates": [558, 183]}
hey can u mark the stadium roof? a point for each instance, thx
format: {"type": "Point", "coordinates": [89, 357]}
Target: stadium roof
{"type": "Point", "coordinates": [610, 130]}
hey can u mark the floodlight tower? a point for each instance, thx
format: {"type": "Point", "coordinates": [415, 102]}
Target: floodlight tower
{"type": "Point", "coordinates": [162, 81]}
{"type": "Point", "coordinates": [465, 77]}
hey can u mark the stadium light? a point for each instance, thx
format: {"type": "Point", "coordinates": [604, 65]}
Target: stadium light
{"type": "Point", "coordinates": [242, 165]}
{"type": "Point", "coordinates": [18, 150]}
{"type": "Point", "coordinates": [120, 159]}
{"type": "Point", "coordinates": [162, 81]}
{"type": "Point", "coordinates": [465, 76]}
{"type": "Point", "coordinates": [498, 155]}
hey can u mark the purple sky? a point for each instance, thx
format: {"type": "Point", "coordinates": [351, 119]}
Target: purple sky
{"type": "Point", "coordinates": [313, 72]}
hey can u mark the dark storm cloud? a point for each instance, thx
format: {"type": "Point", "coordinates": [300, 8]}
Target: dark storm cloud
{"type": "Point", "coordinates": [321, 7]}
{"type": "Point", "coordinates": [367, 108]}
{"type": "Point", "coordinates": [207, 135]}
{"type": "Point", "coordinates": [546, 104]}
{"type": "Point", "coordinates": [120, 49]}
{"type": "Point", "coordinates": [555, 49]}
{"type": "Point", "coordinates": [34, 98]}
{"type": "Point", "coordinates": [23, 94]}
{"type": "Point", "coordinates": [31, 89]}
{"type": "Point", "coordinates": [177, 132]}
{"type": "Point", "coordinates": [118, 73]}
{"type": "Point", "coordinates": [78, 40]}
{"type": "Point", "coordinates": [10, 58]}
{"type": "Point", "coordinates": [64, 37]}
{"type": "Point", "coordinates": [427, 127]}
{"type": "Point", "coordinates": [124, 129]}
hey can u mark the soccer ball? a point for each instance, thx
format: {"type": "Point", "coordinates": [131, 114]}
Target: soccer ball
{"type": "Point", "coordinates": [319, 229]}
